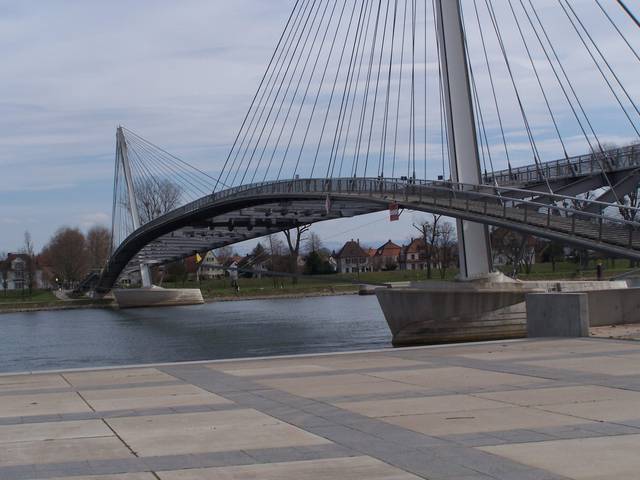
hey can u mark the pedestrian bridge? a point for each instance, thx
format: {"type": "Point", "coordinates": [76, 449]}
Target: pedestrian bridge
{"type": "Point", "coordinates": [347, 102]}
{"type": "Point", "coordinates": [237, 214]}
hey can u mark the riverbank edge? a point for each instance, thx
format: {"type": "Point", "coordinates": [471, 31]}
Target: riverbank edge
{"type": "Point", "coordinates": [232, 298]}
{"type": "Point", "coordinates": [114, 306]}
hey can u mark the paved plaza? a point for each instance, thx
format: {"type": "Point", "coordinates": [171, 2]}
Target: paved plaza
{"type": "Point", "coordinates": [530, 409]}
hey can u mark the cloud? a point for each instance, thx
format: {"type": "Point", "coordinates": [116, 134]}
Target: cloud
{"type": "Point", "coordinates": [88, 220]}
{"type": "Point", "coordinates": [182, 74]}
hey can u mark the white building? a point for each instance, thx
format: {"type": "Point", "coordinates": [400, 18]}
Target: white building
{"type": "Point", "coordinates": [210, 267]}
{"type": "Point", "coordinates": [14, 273]}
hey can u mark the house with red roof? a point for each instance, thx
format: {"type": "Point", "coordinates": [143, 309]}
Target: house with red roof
{"type": "Point", "coordinates": [387, 256]}
{"type": "Point", "coordinates": [414, 255]}
{"type": "Point", "coordinates": [352, 258]}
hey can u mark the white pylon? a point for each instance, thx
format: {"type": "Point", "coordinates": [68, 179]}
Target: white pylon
{"type": "Point", "coordinates": [473, 238]}
{"type": "Point", "coordinates": [145, 273]}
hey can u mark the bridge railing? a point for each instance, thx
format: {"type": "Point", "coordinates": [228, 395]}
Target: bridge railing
{"type": "Point", "coordinates": [396, 188]}
{"type": "Point", "coordinates": [588, 164]}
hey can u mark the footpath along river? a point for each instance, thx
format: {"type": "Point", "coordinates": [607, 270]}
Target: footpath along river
{"type": "Point", "coordinates": [101, 337]}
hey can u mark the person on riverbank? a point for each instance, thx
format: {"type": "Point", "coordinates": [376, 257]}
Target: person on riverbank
{"type": "Point", "coordinates": [599, 269]}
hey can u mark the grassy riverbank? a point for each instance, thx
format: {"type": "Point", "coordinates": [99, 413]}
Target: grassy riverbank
{"type": "Point", "coordinates": [348, 283]}
{"type": "Point", "coordinates": [305, 286]}
{"type": "Point", "coordinates": [43, 300]}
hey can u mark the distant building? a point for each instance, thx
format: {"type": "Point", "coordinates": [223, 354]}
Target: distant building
{"type": "Point", "coordinates": [387, 256]}
{"type": "Point", "coordinates": [414, 255]}
{"type": "Point", "coordinates": [14, 274]}
{"type": "Point", "coordinates": [210, 267]}
{"type": "Point", "coordinates": [352, 258]}
{"type": "Point", "coordinates": [255, 266]}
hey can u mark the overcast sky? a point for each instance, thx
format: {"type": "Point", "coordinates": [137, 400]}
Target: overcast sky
{"type": "Point", "coordinates": [180, 73]}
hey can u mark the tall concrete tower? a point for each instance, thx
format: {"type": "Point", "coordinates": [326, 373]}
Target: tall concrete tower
{"type": "Point", "coordinates": [473, 238]}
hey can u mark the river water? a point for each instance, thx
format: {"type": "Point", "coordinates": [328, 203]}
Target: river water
{"type": "Point", "coordinates": [101, 337]}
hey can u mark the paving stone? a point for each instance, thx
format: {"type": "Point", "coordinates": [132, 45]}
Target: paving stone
{"type": "Point", "coordinates": [63, 450]}
{"type": "Point", "coordinates": [521, 436]}
{"type": "Point", "coordinates": [397, 435]}
{"type": "Point", "coordinates": [118, 376]}
{"type": "Point", "coordinates": [64, 470]}
{"type": "Point", "coordinates": [474, 421]}
{"type": "Point", "coordinates": [586, 458]}
{"type": "Point", "coordinates": [463, 412]}
{"type": "Point", "coordinates": [35, 432]}
{"type": "Point", "coordinates": [20, 472]}
{"type": "Point", "coordinates": [354, 468]}
{"type": "Point", "coordinates": [612, 429]}
{"type": "Point", "coordinates": [419, 405]}
{"type": "Point", "coordinates": [149, 398]}
{"type": "Point", "coordinates": [52, 404]}
{"type": "Point", "coordinates": [208, 432]}
{"type": "Point", "coordinates": [474, 439]}
{"type": "Point", "coordinates": [31, 382]}
{"type": "Point", "coordinates": [104, 467]}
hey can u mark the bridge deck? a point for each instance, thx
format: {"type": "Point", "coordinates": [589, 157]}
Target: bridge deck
{"type": "Point", "coordinates": [514, 410]}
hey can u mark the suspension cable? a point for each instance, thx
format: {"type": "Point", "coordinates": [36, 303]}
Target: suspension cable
{"type": "Point", "coordinates": [375, 95]}
{"type": "Point", "coordinates": [333, 91]}
{"type": "Point", "coordinates": [259, 87]}
{"type": "Point", "coordinates": [598, 65]}
{"type": "Point", "coordinates": [353, 87]}
{"type": "Point", "coordinates": [300, 55]}
{"type": "Point", "coordinates": [395, 142]}
{"type": "Point", "coordinates": [344, 102]}
{"type": "Point", "coordinates": [385, 123]}
{"type": "Point", "coordinates": [534, 148]}
{"type": "Point", "coordinates": [572, 89]}
{"type": "Point", "coordinates": [629, 13]}
{"type": "Point", "coordinates": [493, 87]}
{"type": "Point", "coordinates": [622, 35]}
{"type": "Point", "coordinates": [537, 75]}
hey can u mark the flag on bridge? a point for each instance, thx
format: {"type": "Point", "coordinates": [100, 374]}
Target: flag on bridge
{"type": "Point", "coordinates": [394, 212]}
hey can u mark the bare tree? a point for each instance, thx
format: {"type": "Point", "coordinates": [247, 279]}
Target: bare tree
{"type": "Point", "coordinates": [446, 243]}
{"type": "Point", "coordinates": [98, 246]}
{"type": "Point", "coordinates": [276, 246]}
{"type": "Point", "coordinates": [430, 232]}
{"type": "Point", "coordinates": [313, 243]}
{"type": "Point", "coordinates": [30, 262]}
{"type": "Point", "coordinates": [155, 197]}
{"type": "Point", "coordinates": [66, 255]}
{"type": "Point", "coordinates": [294, 239]}
{"type": "Point", "coordinates": [515, 249]}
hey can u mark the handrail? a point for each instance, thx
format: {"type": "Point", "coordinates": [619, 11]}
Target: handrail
{"type": "Point", "coordinates": [618, 158]}
{"type": "Point", "coordinates": [435, 184]}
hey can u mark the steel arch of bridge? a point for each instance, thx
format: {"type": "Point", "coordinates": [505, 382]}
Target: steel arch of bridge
{"type": "Point", "coordinates": [596, 225]}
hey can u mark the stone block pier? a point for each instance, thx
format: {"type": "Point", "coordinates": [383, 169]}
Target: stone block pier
{"type": "Point", "coordinates": [523, 409]}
